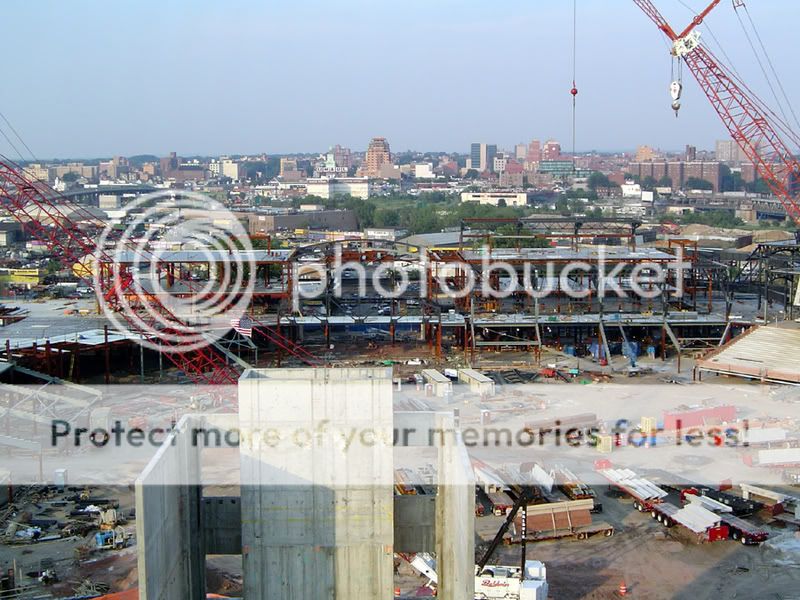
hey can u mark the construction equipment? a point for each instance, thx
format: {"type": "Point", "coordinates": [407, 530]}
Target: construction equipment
{"type": "Point", "coordinates": [112, 539]}
{"type": "Point", "coordinates": [107, 520]}
{"type": "Point", "coordinates": [754, 127]}
{"type": "Point", "coordinates": [523, 499]}
{"type": "Point", "coordinates": [495, 581]}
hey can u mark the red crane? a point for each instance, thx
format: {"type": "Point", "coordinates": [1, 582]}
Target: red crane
{"type": "Point", "coordinates": [750, 124]}
{"type": "Point", "coordinates": [34, 205]}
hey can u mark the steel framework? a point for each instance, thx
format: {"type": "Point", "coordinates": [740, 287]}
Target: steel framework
{"type": "Point", "coordinates": [55, 225]}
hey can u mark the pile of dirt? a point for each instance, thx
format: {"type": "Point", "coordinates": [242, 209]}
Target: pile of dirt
{"type": "Point", "coordinates": [696, 229]}
{"type": "Point", "coordinates": [771, 235]}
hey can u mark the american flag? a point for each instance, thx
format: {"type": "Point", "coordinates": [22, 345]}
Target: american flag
{"type": "Point", "coordinates": [243, 326]}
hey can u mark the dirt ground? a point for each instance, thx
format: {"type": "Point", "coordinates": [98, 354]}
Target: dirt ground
{"type": "Point", "coordinates": [653, 562]}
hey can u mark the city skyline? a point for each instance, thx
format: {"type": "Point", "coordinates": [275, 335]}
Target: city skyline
{"type": "Point", "coordinates": [243, 78]}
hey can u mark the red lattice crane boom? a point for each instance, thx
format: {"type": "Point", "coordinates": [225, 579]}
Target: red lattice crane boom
{"type": "Point", "coordinates": [748, 122]}
{"type": "Point", "coordinates": [28, 201]}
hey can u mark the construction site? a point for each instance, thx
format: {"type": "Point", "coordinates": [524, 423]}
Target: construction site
{"type": "Point", "coordinates": [554, 407]}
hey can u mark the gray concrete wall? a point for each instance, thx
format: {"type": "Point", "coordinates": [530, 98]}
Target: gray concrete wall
{"type": "Point", "coordinates": [455, 516]}
{"type": "Point", "coordinates": [171, 561]}
{"type": "Point", "coordinates": [453, 521]}
{"type": "Point", "coordinates": [415, 524]}
{"type": "Point", "coordinates": [222, 524]}
{"type": "Point", "coordinates": [317, 520]}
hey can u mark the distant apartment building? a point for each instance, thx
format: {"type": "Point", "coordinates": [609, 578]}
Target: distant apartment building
{"type": "Point", "coordinates": [496, 198]}
{"type": "Point", "coordinates": [169, 164]}
{"type": "Point", "coordinates": [678, 171]}
{"type": "Point", "coordinates": [749, 174]}
{"type": "Point", "coordinates": [520, 152]}
{"type": "Point", "coordinates": [287, 164]}
{"type": "Point", "coordinates": [499, 163]}
{"type": "Point", "coordinates": [290, 171]}
{"type": "Point", "coordinates": [534, 152]}
{"type": "Point", "coordinates": [705, 170]}
{"type": "Point", "coordinates": [330, 187]}
{"type": "Point", "coordinates": [232, 169]}
{"type": "Point", "coordinates": [424, 171]}
{"type": "Point", "coordinates": [378, 154]}
{"type": "Point", "coordinates": [226, 167]}
{"type": "Point", "coordinates": [646, 153]}
{"type": "Point", "coordinates": [87, 171]}
{"type": "Point", "coordinates": [172, 167]}
{"type": "Point", "coordinates": [513, 176]}
{"type": "Point", "coordinates": [690, 153]}
{"type": "Point", "coordinates": [40, 172]}
{"type": "Point", "coordinates": [551, 150]}
{"type": "Point", "coordinates": [728, 151]}
{"type": "Point", "coordinates": [481, 157]}
{"type": "Point", "coordinates": [342, 157]}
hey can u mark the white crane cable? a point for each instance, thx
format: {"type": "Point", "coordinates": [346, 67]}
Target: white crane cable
{"type": "Point", "coordinates": [761, 65]}
{"type": "Point", "coordinates": [14, 131]}
{"type": "Point", "coordinates": [771, 65]}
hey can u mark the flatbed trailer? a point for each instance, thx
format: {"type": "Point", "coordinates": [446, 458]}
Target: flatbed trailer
{"type": "Point", "coordinates": [698, 523]}
{"type": "Point", "coordinates": [664, 513]}
{"type": "Point", "coordinates": [645, 494]}
{"type": "Point", "coordinates": [579, 533]}
{"type": "Point", "coordinates": [747, 533]}
{"type": "Point", "coordinates": [671, 482]}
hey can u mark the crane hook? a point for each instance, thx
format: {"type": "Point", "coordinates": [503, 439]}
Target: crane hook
{"type": "Point", "coordinates": [675, 90]}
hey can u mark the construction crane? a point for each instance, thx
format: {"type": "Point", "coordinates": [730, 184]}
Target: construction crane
{"type": "Point", "coordinates": [750, 123]}
{"type": "Point", "coordinates": [37, 208]}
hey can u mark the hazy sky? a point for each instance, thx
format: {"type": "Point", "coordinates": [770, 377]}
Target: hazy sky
{"type": "Point", "coordinates": [86, 78]}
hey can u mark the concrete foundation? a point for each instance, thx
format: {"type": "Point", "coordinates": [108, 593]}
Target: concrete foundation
{"type": "Point", "coordinates": [319, 524]}
{"type": "Point", "coordinates": [317, 516]}
{"type": "Point", "coordinates": [171, 558]}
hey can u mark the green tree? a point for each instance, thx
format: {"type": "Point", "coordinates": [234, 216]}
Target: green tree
{"type": "Point", "coordinates": [649, 183]}
{"type": "Point", "coordinates": [730, 181]}
{"type": "Point", "coordinates": [665, 181]}
{"type": "Point", "coordinates": [759, 186]}
{"type": "Point", "coordinates": [631, 177]}
{"type": "Point", "coordinates": [386, 217]}
{"type": "Point", "coordinates": [598, 180]}
{"type": "Point", "coordinates": [694, 183]}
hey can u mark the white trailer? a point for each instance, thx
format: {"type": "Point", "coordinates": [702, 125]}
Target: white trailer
{"type": "Point", "coordinates": [440, 384]}
{"type": "Point", "coordinates": [477, 382]}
